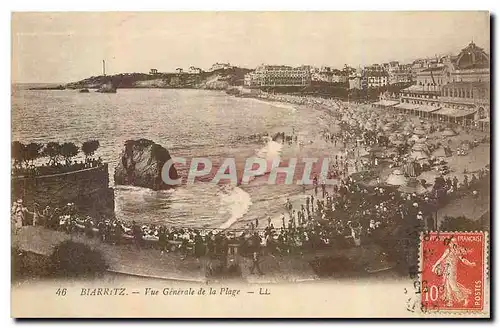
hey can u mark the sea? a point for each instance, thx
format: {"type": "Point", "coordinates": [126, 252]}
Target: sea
{"type": "Point", "coordinates": [188, 123]}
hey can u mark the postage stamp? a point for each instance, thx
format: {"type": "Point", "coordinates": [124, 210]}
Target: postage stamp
{"type": "Point", "coordinates": [453, 267]}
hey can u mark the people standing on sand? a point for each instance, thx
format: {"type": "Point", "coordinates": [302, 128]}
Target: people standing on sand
{"type": "Point", "coordinates": [323, 188]}
{"type": "Point", "coordinates": [256, 257]}
{"type": "Point", "coordinates": [288, 205]}
{"type": "Point", "coordinates": [137, 233]}
{"type": "Point", "coordinates": [283, 219]}
{"type": "Point", "coordinates": [268, 221]}
{"type": "Point", "coordinates": [36, 214]}
{"type": "Point", "coordinates": [455, 183]}
{"type": "Point", "coordinates": [315, 182]}
{"type": "Point", "coordinates": [473, 180]}
{"type": "Point", "coordinates": [46, 215]}
{"type": "Point", "coordinates": [18, 211]}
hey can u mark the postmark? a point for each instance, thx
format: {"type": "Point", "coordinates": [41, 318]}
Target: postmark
{"type": "Point", "coordinates": [453, 271]}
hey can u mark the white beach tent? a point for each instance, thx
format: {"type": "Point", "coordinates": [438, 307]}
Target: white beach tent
{"type": "Point", "coordinates": [413, 186]}
{"type": "Point", "coordinates": [418, 155]}
{"type": "Point", "coordinates": [448, 133]}
{"type": "Point", "coordinates": [419, 131]}
{"type": "Point", "coordinates": [396, 178]}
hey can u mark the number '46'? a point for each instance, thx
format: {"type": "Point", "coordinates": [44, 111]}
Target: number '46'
{"type": "Point", "coordinates": [61, 292]}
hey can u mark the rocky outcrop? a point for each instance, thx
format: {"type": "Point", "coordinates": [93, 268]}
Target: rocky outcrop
{"type": "Point", "coordinates": [217, 80]}
{"type": "Point", "coordinates": [141, 163]}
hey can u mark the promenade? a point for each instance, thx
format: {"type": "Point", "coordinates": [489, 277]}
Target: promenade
{"type": "Point", "coordinates": [151, 263]}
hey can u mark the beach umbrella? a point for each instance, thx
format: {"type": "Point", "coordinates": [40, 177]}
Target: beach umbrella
{"type": "Point", "coordinates": [419, 131]}
{"type": "Point", "coordinates": [418, 155]}
{"type": "Point", "coordinates": [448, 133]}
{"type": "Point", "coordinates": [466, 144]}
{"type": "Point", "coordinates": [394, 137]}
{"type": "Point", "coordinates": [439, 152]}
{"type": "Point", "coordinates": [364, 153]}
{"type": "Point", "coordinates": [396, 178]}
{"type": "Point", "coordinates": [415, 138]}
{"type": "Point", "coordinates": [413, 186]}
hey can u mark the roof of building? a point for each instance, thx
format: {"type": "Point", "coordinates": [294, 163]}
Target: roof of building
{"type": "Point", "coordinates": [472, 56]}
{"type": "Point", "coordinates": [484, 85]}
{"type": "Point", "coordinates": [419, 89]}
{"type": "Point", "coordinates": [386, 103]}
{"type": "Point", "coordinates": [375, 73]}
{"type": "Point", "coordinates": [406, 106]}
{"type": "Point", "coordinates": [433, 69]}
{"type": "Point", "coordinates": [453, 112]}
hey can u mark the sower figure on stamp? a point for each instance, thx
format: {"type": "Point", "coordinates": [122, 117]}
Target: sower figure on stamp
{"type": "Point", "coordinates": [447, 267]}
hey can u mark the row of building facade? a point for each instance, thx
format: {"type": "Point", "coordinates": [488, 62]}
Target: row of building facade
{"type": "Point", "coordinates": [456, 89]}
{"type": "Point", "coordinates": [278, 76]}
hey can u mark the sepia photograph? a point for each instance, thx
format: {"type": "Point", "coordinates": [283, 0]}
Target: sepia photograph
{"type": "Point", "coordinates": [250, 164]}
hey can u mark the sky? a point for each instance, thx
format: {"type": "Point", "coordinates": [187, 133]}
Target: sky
{"type": "Point", "coordinates": [65, 47]}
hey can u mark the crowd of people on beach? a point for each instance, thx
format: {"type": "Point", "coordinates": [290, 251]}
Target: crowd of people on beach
{"type": "Point", "coordinates": [347, 214]}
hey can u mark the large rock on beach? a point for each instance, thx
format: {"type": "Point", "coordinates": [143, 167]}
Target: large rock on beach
{"type": "Point", "coordinates": [141, 163]}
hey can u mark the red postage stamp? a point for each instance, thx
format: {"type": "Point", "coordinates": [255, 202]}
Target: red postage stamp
{"type": "Point", "coordinates": [452, 268]}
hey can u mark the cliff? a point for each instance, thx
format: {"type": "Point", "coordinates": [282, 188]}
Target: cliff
{"type": "Point", "coordinates": [141, 163]}
{"type": "Point", "coordinates": [218, 80]}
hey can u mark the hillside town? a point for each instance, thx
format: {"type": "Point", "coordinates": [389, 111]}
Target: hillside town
{"type": "Point", "coordinates": [453, 87]}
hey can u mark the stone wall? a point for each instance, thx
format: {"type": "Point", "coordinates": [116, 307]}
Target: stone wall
{"type": "Point", "coordinates": [88, 189]}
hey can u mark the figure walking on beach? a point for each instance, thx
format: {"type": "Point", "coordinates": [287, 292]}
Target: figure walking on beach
{"type": "Point", "coordinates": [18, 212]}
{"type": "Point", "coordinates": [447, 266]}
{"type": "Point", "coordinates": [256, 244]}
{"type": "Point", "coordinates": [36, 214]}
{"type": "Point", "coordinates": [137, 233]}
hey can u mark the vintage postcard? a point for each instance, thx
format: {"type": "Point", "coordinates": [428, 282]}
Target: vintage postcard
{"type": "Point", "coordinates": [250, 164]}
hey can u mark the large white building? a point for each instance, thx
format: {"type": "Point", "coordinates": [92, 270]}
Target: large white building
{"type": "Point", "coordinates": [218, 66]}
{"type": "Point", "coordinates": [329, 75]}
{"type": "Point", "coordinates": [195, 70]}
{"type": "Point", "coordinates": [453, 88]}
{"type": "Point", "coordinates": [377, 79]}
{"type": "Point", "coordinates": [278, 76]}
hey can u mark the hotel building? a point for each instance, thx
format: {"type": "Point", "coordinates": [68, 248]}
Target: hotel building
{"type": "Point", "coordinates": [278, 76]}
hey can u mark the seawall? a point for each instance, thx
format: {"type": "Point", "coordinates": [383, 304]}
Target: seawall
{"type": "Point", "coordinates": [87, 188]}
